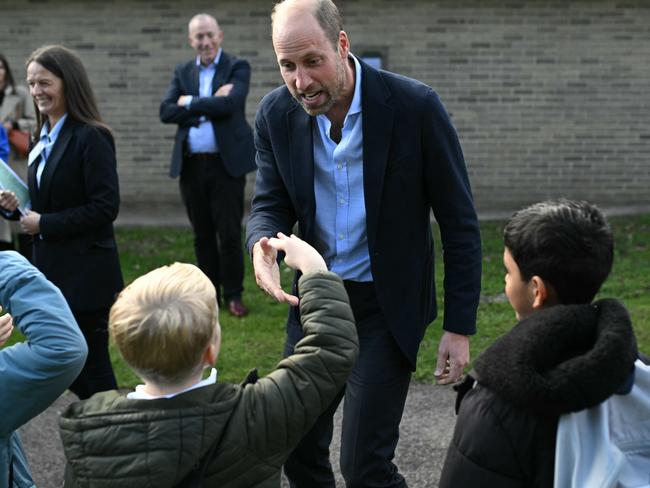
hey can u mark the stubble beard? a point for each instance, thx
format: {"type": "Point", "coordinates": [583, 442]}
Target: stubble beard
{"type": "Point", "coordinates": [333, 93]}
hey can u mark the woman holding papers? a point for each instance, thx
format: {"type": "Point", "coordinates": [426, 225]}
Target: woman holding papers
{"type": "Point", "coordinates": [74, 193]}
{"type": "Point", "coordinates": [16, 116]}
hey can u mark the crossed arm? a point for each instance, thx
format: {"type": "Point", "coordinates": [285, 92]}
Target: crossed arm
{"type": "Point", "coordinates": [229, 97]}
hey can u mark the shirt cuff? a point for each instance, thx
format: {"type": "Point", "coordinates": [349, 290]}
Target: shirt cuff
{"type": "Point", "coordinates": [188, 101]}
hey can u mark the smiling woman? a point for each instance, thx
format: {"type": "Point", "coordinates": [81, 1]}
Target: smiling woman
{"type": "Point", "coordinates": [73, 187]}
{"type": "Point", "coordinates": [47, 91]}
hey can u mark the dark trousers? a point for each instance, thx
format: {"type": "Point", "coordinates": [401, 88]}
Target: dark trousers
{"type": "Point", "coordinates": [24, 246]}
{"type": "Point", "coordinates": [374, 394]}
{"type": "Point", "coordinates": [97, 374]}
{"type": "Point", "coordinates": [215, 206]}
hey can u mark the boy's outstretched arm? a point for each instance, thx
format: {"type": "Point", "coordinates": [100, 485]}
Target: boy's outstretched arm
{"type": "Point", "coordinates": [35, 372]}
{"type": "Point", "coordinates": [291, 398]}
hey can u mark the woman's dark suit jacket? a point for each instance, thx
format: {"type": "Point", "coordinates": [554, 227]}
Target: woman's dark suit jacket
{"type": "Point", "coordinates": [78, 200]}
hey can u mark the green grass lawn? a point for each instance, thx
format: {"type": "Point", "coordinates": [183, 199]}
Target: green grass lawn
{"type": "Point", "coordinates": [257, 340]}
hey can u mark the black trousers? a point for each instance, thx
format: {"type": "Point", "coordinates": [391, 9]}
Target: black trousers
{"type": "Point", "coordinates": [215, 206]}
{"type": "Point", "coordinates": [374, 394]}
{"type": "Point", "coordinates": [97, 374]}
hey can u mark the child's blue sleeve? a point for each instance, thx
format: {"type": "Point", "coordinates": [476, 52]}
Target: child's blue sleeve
{"type": "Point", "coordinates": [35, 372]}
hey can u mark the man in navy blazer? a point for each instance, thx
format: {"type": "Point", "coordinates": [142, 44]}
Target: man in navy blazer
{"type": "Point", "coordinates": [213, 151]}
{"type": "Point", "coordinates": [358, 158]}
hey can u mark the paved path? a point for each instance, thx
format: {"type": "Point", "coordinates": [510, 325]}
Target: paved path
{"type": "Point", "coordinates": [426, 429]}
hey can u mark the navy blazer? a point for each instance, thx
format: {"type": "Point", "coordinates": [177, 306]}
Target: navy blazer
{"type": "Point", "coordinates": [412, 163]}
{"type": "Point", "coordinates": [78, 200]}
{"type": "Point", "coordinates": [227, 114]}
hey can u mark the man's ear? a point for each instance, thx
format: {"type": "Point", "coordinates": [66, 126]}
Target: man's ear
{"type": "Point", "coordinates": [541, 292]}
{"type": "Point", "coordinates": [343, 45]}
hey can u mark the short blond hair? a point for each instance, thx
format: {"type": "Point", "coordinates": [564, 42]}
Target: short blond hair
{"type": "Point", "coordinates": [164, 321]}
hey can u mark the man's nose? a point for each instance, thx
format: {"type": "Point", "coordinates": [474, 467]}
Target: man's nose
{"type": "Point", "coordinates": [303, 80]}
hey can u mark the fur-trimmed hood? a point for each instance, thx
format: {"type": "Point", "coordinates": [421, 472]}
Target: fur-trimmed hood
{"type": "Point", "coordinates": [562, 359]}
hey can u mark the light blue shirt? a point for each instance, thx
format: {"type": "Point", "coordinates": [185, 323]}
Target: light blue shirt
{"type": "Point", "coordinates": [338, 188]}
{"type": "Point", "coordinates": [201, 139]}
{"type": "Point", "coordinates": [47, 139]}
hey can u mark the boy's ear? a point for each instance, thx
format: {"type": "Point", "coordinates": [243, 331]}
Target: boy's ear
{"type": "Point", "coordinates": [210, 355]}
{"type": "Point", "coordinates": [541, 292]}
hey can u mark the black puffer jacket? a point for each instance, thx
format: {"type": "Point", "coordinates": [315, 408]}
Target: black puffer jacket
{"type": "Point", "coordinates": [559, 360]}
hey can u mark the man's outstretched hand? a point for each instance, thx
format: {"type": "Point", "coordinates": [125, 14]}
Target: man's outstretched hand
{"type": "Point", "coordinates": [298, 255]}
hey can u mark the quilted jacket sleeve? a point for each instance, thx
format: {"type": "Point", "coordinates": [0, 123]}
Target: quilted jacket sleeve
{"type": "Point", "coordinates": [281, 407]}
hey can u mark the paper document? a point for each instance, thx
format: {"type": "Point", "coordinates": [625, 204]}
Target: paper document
{"type": "Point", "coordinates": [9, 180]}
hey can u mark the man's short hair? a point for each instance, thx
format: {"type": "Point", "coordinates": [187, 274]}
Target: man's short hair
{"type": "Point", "coordinates": [164, 321]}
{"type": "Point", "coordinates": [201, 16]}
{"type": "Point", "coordinates": [328, 16]}
{"type": "Point", "coordinates": [567, 243]}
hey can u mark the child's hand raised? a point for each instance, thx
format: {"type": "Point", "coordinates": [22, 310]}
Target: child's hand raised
{"type": "Point", "coordinates": [298, 254]}
{"type": "Point", "coordinates": [6, 328]}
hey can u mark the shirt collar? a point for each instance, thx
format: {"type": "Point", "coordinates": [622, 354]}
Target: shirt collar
{"type": "Point", "coordinates": [214, 63]}
{"type": "Point", "coordinates": [54, 133]}
{"type": "Point", "coordinates": [355, 106]}
{"type": "Point", "coordinates": [139, 394]}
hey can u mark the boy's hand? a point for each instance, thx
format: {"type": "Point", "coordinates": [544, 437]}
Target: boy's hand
{"type": "Point", "coordinates": [267, 272]}
{"type": "Point", "coordinates": [6, 328]}
{"type": "Point", "coordinates": [298, 254]}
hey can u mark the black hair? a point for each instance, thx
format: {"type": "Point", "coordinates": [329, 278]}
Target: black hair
{"type": "Point", "coordinates": [567, 243]}
{"type": "Point", "coordinates": [9, 78]}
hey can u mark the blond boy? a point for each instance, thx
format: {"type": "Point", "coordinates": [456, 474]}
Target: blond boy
{"type": "Point", "coordinates": [179, 430]}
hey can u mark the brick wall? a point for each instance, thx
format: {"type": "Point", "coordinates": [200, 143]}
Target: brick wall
{"type": "Point", "coordinates": [550, 98]}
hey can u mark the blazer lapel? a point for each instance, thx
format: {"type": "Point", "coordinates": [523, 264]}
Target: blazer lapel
{"type": "Point", "coordinates": [378, 119]}
{"type": "Point", "coordinates": [53, 161]}
{"type": "Point", "coordinates": [31, 184]}
{"type": "Point", "coordinates": [194, 89]}
{"type": "Point", "coordinates": [301, 159]}
{"type": "Point", "coordinates": [222, 71]}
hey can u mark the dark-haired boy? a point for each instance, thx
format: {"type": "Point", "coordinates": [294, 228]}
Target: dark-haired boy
{"type": "Point", "coordinates": [565, 355]}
